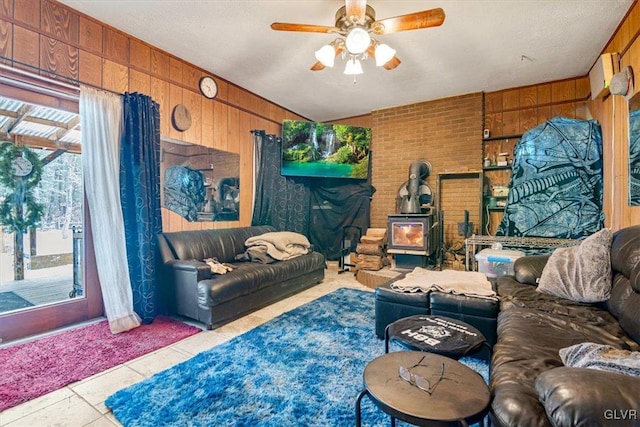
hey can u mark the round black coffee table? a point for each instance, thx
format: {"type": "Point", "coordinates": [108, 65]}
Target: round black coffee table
{"type": "Point", "coordinates": [435, 334]}
{"type": "Point", "coordinates": [456, 394]}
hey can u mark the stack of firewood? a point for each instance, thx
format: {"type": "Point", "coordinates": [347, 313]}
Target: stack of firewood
{"type": "Point", "coordinates": [372, 250]}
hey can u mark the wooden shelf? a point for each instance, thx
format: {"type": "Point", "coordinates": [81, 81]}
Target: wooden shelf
{"type": "Point", "coordinates": [491, 147]}
{"type": "Point", "coordinates": [461, 174]}
{"type": "Point", "coordinates": [497, 138]}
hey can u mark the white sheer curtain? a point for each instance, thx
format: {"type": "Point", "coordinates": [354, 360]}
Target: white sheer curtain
{"type": "Point", "coordinates": [101, 122]}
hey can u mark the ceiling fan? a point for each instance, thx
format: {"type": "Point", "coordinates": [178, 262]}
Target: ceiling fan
{"type": "Point", "coordinates": [355, 24]}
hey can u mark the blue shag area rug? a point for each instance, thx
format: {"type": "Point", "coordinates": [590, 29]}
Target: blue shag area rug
{"type": "Point", "coordinates": [301, 368]}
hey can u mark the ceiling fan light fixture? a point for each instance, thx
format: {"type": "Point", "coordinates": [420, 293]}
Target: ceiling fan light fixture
{"type": "Point", "coordinates": [353, 67]}
{"type": "Point", "coordinates": [384, 53]}
{"type": "Point", "coordinates": [326, 55]}
{"type": "Point", "coordinates": [355, 23]}
{"type": "Point", "coordinates": [358, 40]}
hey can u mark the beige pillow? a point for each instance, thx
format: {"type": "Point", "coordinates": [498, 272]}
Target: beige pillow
{"type": "Point", "coordinates": [580, 273]}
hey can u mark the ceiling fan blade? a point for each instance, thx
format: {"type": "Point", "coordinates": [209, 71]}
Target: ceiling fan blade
{"type": "Point", "coordinates": [306, 28]}
{"type": "Point", "coordinates": [355, 10]}
{"type": "Point", "coordinates": [411, 21]}
{"type": "Point", "coordinates": [393, 63]}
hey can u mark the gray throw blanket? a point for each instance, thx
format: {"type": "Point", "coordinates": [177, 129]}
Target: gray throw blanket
{"type": "Point", "coordinates": [602, 357]}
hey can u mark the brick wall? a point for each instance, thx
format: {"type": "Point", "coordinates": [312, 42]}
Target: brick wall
{"type": "Point", "coordinates": [445, 132]}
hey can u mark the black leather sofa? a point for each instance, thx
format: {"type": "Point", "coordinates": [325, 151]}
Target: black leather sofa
{"type": "Point", "coordinates": [192, 290]}
{"type": "Point", "coordinates": [529, 384]}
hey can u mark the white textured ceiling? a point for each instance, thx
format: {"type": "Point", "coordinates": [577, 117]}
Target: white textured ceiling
{"type": "Point", "coordinates": [483, 45]}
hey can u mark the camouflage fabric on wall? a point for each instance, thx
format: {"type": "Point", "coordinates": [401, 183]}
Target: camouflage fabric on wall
{"type": "Point", "coordinates": [184, 191]}
{"type": "Point", "coordinates": [556, 182]}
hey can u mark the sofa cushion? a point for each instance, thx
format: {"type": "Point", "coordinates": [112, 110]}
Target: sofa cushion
{"type": "Point", "coordinates": [528, 269]}
{"type": "Point", "coordinates": [602, 357]}
{"type": "Point", "coordinates": [516, 295]}
{"type": "Point", "coordinates": [248, 277]}
{"type": "Point", "coordinates": [625, 254]}
{"type": "Point", "coordinates": [586, 397]}
{"type": "Point", "coordinates": [569, 314]}
{"type": "Point", "coordinates": [580, 273]}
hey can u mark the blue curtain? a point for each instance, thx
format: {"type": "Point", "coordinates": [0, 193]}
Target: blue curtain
{"type": "Point", "coordinates": [140, 196]}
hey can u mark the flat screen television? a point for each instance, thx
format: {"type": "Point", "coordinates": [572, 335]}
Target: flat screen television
{"type": "Point", "coordinates": [325, 150]}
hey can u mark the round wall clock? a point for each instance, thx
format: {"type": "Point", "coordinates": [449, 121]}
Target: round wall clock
{"type": "Point", "coordinates": [21, 166]}
{"type": "Point", "coordinates": [181, 118]}
{"type": "Point", "coordinates": [208, 87]}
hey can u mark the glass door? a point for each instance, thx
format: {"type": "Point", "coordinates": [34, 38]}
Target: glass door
{"type": "Point", "coordinates": [47, 279]}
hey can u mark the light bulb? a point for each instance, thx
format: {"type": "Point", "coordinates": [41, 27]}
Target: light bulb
{"type": "Point", "coordinates": [384, 54]}
{"type": "Point", "coordinates": [358, 40]}
{"type": "Point", "coordinates": [326, 55]}
{"type": "Point", "coordinates": [353, 67]}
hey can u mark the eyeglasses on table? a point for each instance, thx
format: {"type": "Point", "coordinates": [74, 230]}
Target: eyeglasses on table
{"type": "Point", "coordinates": [418, 380]}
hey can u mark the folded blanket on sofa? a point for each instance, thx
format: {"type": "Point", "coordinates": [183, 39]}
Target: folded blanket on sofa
{"type": "Point", "coordinates": [256, 254]}
{"type": "Point", "coordinates": [467, 283]}
{"type": "Point", "coordinates": [280, 245]}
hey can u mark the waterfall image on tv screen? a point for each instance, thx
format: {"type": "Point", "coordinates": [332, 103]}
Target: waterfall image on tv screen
{"type": "Point", "coordinates": [325, 150]}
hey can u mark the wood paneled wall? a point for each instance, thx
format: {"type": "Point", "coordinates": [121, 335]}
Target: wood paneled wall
{"type": "Point", "coordinates": [48, 38]}
{"type": "Point", "coordinates": [612, 113]}
{"type": "Point", "coordinates": [514, 111]}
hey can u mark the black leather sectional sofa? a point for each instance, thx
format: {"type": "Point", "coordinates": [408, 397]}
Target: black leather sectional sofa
{"type": "Point", "coordinates": [530, 385]}
{"type": "Point", "coordinates": [192, 290]}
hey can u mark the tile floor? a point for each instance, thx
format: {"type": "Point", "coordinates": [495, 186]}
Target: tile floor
{"type": "Point", "coordinates": [82, 403]}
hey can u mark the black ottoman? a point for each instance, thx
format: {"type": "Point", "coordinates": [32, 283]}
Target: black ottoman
{"type": "Point", "coordinates": [480, 313]}
{"type": "Point", "coordinates": [392, 306]}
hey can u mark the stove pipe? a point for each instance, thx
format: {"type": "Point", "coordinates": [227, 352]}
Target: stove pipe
{"type": "Point", "coordinates": [418, 170]}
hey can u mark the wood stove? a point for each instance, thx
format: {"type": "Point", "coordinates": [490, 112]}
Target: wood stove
{"type": "Point", "coordinates": [411, 239]}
